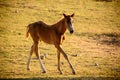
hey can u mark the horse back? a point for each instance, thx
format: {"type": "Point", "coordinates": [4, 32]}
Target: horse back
{"type": "Point", "coordinates": [46, 33]}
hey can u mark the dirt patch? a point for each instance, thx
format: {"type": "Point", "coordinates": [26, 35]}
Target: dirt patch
{"type": "Point", "coordinates": [106, 0]}
{"type": "Point", "coordinates": [104, 38]}
{"type": "Point", "coordinates": [108, 39]}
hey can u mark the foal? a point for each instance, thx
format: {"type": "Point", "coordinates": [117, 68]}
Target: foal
{"type": "Point", "coordinates": [51, 34]}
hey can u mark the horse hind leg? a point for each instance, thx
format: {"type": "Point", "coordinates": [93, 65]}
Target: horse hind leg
{"type": "Point", "coordinates": [40, 61]}
{"type": "Point", "coordinates": [29, 58]}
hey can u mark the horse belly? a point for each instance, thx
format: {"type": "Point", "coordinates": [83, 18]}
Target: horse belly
{"type": "Point", "coordinates": [48, 41]}
{"type": "Point", "coordinates": [46, 37]}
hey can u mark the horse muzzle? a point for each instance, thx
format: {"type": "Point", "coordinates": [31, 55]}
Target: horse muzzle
{"type": "Point", "coordinates": [71, 31]}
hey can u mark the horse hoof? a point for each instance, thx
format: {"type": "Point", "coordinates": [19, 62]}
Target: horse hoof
{"type": "Point", "coordinates": [28, 69]}
{"type": "Point", "coordinates": [61, 73]}
{"type": "Point", "coordinates": [43, 71]}
{"type": "Point", "coordinates": [73, 72]}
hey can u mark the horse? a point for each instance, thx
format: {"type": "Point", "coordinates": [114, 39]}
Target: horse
{"type": "Point", "coordinates": [51, 34]}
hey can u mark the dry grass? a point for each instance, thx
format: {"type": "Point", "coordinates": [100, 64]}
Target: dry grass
{"type": "Point", "coordinates": [96, 40]}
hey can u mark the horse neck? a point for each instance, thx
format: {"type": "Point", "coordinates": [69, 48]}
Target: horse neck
{"type": "Point", "coordinates": [60, 26]}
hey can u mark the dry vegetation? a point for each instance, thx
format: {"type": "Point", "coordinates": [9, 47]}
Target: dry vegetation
{"type": "Point", "coordinates": [94, 48]}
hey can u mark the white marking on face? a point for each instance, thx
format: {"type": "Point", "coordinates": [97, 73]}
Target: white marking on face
{"type": "Point", "coordinates": [70, 27]}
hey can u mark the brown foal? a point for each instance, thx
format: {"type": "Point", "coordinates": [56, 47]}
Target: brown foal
{"type": "Point", "coordinates": [51, 34]}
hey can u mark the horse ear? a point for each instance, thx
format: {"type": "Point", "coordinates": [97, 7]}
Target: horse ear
{"type": "Point", "coordinates": [64, 14]}
{"type": "Point", "coordinates": [73, 15]}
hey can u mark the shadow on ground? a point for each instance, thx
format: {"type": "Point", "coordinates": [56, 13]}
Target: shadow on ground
{"type": "Point", "coordinates": [104, 38]}
{"type": "Point", "coordinates": [67, 78]}
{"type": "Point", "coordinates": [105, 0]}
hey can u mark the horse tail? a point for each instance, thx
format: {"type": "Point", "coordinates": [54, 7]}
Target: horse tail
{"type": "Point", "coordinates": [27, 30]}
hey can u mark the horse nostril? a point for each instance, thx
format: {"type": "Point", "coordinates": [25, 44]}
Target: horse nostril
{"type": "Point", "coordinates": [71, 31]}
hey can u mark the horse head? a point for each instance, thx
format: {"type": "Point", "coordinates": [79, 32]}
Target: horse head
{"type": "Point", "coordinates": [69, 21]}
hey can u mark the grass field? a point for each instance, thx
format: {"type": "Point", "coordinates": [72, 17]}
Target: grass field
{"type": "Point", "coordinates": [96, 40]}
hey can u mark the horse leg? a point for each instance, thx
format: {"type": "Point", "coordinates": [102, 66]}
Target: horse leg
{"type": "Point", "coordinates": [66, 57]}
{"type": "Point", "coordinates": [31, 52]}
{"type": "Point", "coordinates": [58, 56]}
{"type": "Point", "coordinates": [36, 52]}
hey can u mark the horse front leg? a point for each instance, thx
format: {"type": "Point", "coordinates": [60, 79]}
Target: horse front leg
{"type": "Point", "coordinates": [58, 56]}
{"type": "Point", "coordinates": [66, 57]}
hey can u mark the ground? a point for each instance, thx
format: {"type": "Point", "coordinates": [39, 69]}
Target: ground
{"type": "Point", "coordinates": [93, 49]}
